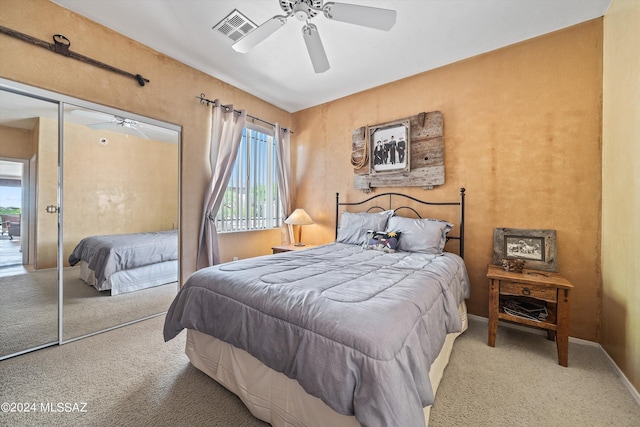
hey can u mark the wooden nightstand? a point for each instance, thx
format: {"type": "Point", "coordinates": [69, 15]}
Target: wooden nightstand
{"type": "Point", "coordinates": [289, 247]}
{"type": "Point", "coordinates": [550, 289]}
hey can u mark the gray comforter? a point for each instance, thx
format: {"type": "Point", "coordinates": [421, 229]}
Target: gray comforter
{"type": "Point", "coordinates": [115, 252]}
{"type": "Point", "coordinates": [357, 328]}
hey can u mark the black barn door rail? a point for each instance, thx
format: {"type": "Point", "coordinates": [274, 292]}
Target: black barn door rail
{"type": "Point", "coordinates": [61, 45]}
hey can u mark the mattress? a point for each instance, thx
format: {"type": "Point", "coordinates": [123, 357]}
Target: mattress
{"type": "Point", "coordinates": [272, 396]}
{"type": "Point", "coordinates": [134, 279]}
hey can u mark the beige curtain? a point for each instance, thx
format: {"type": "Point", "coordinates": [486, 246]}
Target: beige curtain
{"type": "Point", "coordinates": [226, 135]}
{"type": "Point", "coordinates": [283, 165]}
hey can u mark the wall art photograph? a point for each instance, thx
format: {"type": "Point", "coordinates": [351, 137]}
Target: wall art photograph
{"type": "Point", "coordinates": [536, 247]}
{"type": "Point", "coordinates": [389, 147]}
{"type": "Point", "coordinates": [524, 247]}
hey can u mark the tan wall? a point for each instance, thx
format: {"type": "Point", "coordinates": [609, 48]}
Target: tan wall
{"type": "Point", "coordinates": [16, 143]}
{"type": "Point", "coordinates": [522, 130]}
{"type": "Point", "coordinates": [621, 188]}
{"type": "Point", "coordinates": [170, 96]}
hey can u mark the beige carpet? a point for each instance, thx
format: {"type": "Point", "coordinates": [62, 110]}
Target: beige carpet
{"type": "Point", "coordinates": [130, 377]}
{"type": "Point", "coordinates": [29, 308]}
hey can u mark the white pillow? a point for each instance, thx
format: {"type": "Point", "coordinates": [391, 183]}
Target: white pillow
{"type": "Point", "coordinates": [424, 235]}
{"type": "Point", "coordinates": [354, 226]}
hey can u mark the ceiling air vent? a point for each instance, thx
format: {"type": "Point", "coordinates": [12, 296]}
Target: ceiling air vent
{"type": "Point", "coordinates": [235, 26]}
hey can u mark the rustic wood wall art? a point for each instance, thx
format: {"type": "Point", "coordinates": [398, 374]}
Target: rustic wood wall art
{"type": "Point", "coordinates": [536, 247]}
{"type": "Point", "coordinates": [423, 164]}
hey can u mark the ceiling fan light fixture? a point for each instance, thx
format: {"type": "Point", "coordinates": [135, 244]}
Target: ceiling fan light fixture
{"type": "Point", "coordinates": [129, 123]}
{"type": "Point", "coordinates": [301, 11]}
{"type": "Point", "coordinates": [314, 47]}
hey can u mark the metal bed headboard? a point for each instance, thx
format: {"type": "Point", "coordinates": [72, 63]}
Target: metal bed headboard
{"type": "Point", "coordinates": [400, 196]}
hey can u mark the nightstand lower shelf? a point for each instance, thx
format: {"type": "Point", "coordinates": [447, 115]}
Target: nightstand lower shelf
{"type": "Point", "coordinates": [545, 289]}
{"type": "Point", "coordinates": [536, 324]}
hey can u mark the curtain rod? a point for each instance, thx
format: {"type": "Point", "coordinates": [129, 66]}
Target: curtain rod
{"type": "Point", "coordinates": [205, 101]}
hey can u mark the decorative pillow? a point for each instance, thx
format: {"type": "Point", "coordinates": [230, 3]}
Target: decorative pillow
{"type": "Point", "coordinates": [382, 241]}
{"type": "Point", "coordinates": [354, 226]}
{"type": "Point", "coordinates": [424, 235]}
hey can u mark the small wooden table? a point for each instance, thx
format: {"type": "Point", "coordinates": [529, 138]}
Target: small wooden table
{"type": "Point", "coordinates": [289, 247]}
{"type": "Point", "coordinates": [552, 289]}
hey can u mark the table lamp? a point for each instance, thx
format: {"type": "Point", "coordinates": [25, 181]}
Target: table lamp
{"type": "Point", "coordinates": [299, 217]}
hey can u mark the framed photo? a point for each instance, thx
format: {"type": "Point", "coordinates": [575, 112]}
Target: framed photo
{"type": "Point", "coordinates": [389, 147]}
{"type": "Point", "coordinates": [536, 247]}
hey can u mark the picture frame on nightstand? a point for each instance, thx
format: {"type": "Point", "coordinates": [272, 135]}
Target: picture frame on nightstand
{"type": "Point", "coordinates": [536, 247]}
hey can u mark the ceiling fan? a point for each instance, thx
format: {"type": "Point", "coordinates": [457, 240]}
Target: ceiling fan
{"type": "Point", "coordinates": [304, 10]}
{"type": "Point", "coordinates": [127, 125]}
{"type": "Point", "coordinates": [112, 122]}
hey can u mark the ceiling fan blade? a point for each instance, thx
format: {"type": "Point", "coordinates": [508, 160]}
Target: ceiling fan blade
{"type": "Point", "coordinates": [151, 128]}
{"type": "Point", "coordinates": [101, 126]}
{"type": "Point", "coordinates": [138, 131]}
{"type": "Point", "coordinates": [372, 17]}
{"type": "Point", "coordinates": [315, 48]}
{"type": "Point", "coordinates": [256, 36]}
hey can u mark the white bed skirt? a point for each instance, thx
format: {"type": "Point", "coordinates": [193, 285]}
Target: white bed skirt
{"type": "Point", "coordinates": [273, 397]}
{"type": "Point", "coordinates": [134, 279]}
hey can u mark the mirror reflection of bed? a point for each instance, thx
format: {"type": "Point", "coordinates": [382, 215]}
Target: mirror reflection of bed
{"type": "Point", "coordinates": [121, 214]}
{"type": "Point", "coordinates": [122, 263]}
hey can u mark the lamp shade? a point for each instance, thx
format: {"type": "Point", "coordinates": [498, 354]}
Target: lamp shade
{"type": "Point", "coordinates": [299, 217]}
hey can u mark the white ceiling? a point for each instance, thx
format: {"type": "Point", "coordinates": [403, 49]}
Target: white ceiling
{"type": "Point", "coordinates": [428, 34]}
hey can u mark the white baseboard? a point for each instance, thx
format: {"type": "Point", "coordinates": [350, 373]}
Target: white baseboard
{"type": "Point", "coordinates": [536, 331]}
{"type": "Point", "coordinates": [622, 376]}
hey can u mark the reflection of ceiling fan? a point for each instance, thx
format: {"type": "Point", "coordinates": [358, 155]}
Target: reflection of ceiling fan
{"type": "Point", "coordinates": [103, 121]}
{"type": "Point", "coordinates": [126, 124]}
{"type": "Point", "coordinates": [304, 10]}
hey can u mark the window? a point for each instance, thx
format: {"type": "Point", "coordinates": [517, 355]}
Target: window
{"type": "Point", "coordinates": [251, 200]}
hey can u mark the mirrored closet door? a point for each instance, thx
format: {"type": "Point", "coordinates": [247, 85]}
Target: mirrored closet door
{"type": "Point", "coordinates": [29, 241]}
{"type": "Point", "coordinates": [120, 196]}
{"type": "Point", "coordinates": [89, 174]}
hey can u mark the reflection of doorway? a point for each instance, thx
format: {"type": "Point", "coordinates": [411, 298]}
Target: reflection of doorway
{"type": "Point", "coordinates": [14, 202]}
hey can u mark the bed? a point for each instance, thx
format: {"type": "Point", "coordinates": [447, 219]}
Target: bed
{"type": "Point", "coordinates": [355, 332]}
{"type": "Point", "coordinates": [121, 263]}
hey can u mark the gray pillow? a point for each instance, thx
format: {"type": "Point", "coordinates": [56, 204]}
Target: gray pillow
{"type": "Point", "coordinates": [424, 235]}
{"type": "Point", "coordinates": [354, 226]}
